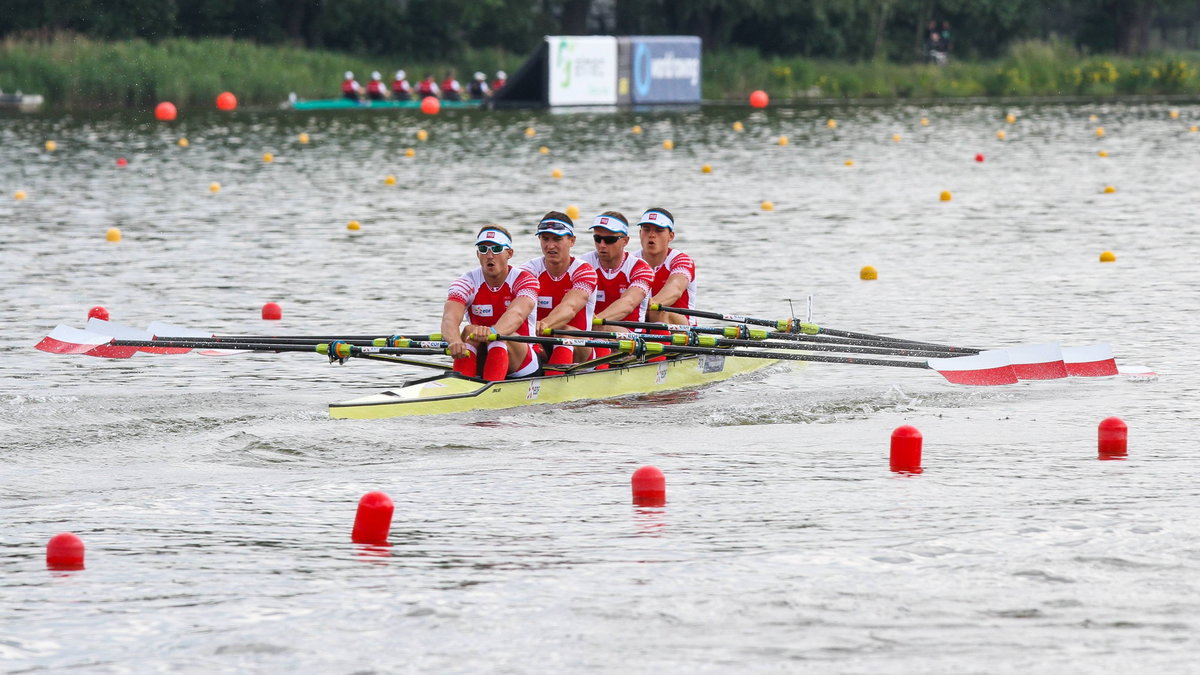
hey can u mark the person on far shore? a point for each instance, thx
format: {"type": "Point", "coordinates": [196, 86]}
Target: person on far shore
{"type": "Point", "coordinates": [947, 43]}
{"type": "Point", "coordinates": [401, 90]}
{"type": "Point", "coordinates": [427, 87]}
{"type": "Point", "coordinates": [500, 81]}
{"type": "Point", "coordinates": [451, 89]}
{"type": "Point", "coordinates": [350, 88]}
{"type": "Point", "coordinates": [376, 90]}
{"type": "Point", "coordinates": [478, 89]}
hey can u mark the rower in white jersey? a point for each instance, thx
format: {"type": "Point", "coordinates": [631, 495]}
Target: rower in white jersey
{"type": "Point", "coordinates": [566, 285]}
{"type": "Point", "coordinates": [674, 282]}
{"type": "Point", "coordinates": [622, 279]}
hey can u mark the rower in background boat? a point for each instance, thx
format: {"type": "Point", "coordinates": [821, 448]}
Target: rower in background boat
{"type": "Point", "coordinates": [376, 89]}
{"type": "Point", "coordinates": [622, 279]}
{"type": "Point", "coordinates": [495, 298]}
{"type": "Point", "coordinates": [451, 89]}
{"type": "Point", "coordinates": [428, 87]}
{"type": "Point", "coordinates": [674, 282]}
{"type": "Point", "coordinates": [566, 285]}
{"type": "Point", "coordinates": [350, 88]}
{"type": "Point", "coordinates": [478, 89]}
{"type": "Point", "coordinates": [401, 89]}
{"type": "Point", "coordinates": [500, 81]}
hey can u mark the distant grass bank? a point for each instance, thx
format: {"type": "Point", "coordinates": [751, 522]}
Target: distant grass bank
{"type": "Point", "coordinates": [77, 73]}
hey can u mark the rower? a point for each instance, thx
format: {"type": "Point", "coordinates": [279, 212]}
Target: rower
{"type": "Point", "coordinates": [427, 87]}
{"type": "Point", "coordinates": [500, 81]}
{"type": "Point", "coordinates": [350, 88]}
{"type": "Point", "coordinates": [376, 90]}
{"type": "Point", "coordinates": [451, 89]}
{"type": "Point", "coordinates": [566, 285]}
{"type": "Point", "coordinates": [499, 299]}
{"type": "Point", "coordinates": [622, 280]}
{"type": "Point", "coordinates": [674, 271]}
{"type": "Point", "coordinates": [478, 89]}
{"type": "Point", "coordinates": [401, 90]}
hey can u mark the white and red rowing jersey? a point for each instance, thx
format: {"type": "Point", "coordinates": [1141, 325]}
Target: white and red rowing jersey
{"type": "Point", "coordinates": [633, 272]}
{"type": "Point", "coordinates": [485, 305]}
{"type": "Point", "coordinates": [676, 262]}
{"type": "Point", "coordinates": [376, 87]}
{"type": "Point", "coordinates": [551, 291]}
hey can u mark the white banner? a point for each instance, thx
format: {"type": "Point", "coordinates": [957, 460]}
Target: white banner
{"type": "Point", "coordinates": [582, 70]}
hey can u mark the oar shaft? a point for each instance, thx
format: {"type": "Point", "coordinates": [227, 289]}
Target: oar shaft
{"type": "Point", "coordinates": [320, 348]}
{"type": "Point", "coordinates": [784, 356]}
{"type": "Point", "coordinates": [706, 341]}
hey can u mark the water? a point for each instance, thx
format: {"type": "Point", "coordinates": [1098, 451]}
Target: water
{"type": "Point", "coordinates": [216, 496]}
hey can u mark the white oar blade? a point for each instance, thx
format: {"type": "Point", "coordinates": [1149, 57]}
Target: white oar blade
{"type": "Point", "coordinates": [68, 340]}
{"type": "Point", "coordinates": [982, 369]}
{"type": "Point", "coordinates": [1042, 361]}
{"type": "Point", "coordinates": [162, 330]}
{"type": "Point", "coordinates": [1090, 361]}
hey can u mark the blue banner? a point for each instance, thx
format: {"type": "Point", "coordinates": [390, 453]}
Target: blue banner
{"type": "Point", "coordinates": [664, 69]}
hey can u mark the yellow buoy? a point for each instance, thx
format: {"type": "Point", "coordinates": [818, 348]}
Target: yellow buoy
{"type": "Point", "coordinates": [637, 129]}
{"type": "Point", "coordinates": [544, 150]}
{"type": "Point", "coordinates": [1000, 134]}
{"type": "Point", "coordinates": [51, 146]}
{"type": "Point", "coordinates": [353, 226]}
{"type": "Point", "coordinates": [1108, 189]}
{"type": "Point", "coordinates": [214, 187]}
{"type": "Point", "coordinates": [924, 121]}
{"type": "Point", "coordinates": [113, 234]}
{"type": "Point", "coordinates": [849, 162]}
{"type": "Point", "coordinates": [707, 168]}
{"type": "Point", "coordinates": [1193, 128]}
{"type": "Point", "coordinates": [409, 152]}
{"type": "Point", "coordinates": [738, 126]}
{"type": "Point", "coordinates": [831, 123]}
{"type": "Point", "coordinates": [668, 144]}
{"type": "Point", "coordinates": [1102, 153]}
{"type": "Point", "coordinates": [946, 196]}
{"type": "Point", "coordinates": [1010, 118]}
{"type": "Point", "coordinates": [1093, 118]}
{"type": "Point", "coordinates": [19, 195]}
{"type": "Point", "coordinates": [1174, 114]}
{"type": "Point", "coordinates": [783, 140]}
{"type": "Point", "coordinates": [896, 138]}
{"type": "Point", "coordinates": [768, 206]}
{"type": "Point", "coordinates": [530, 132]}
{"type": "Point", "coordinates": [1108, 256]}
{"type": "Point", "coordinates": [183, 142]}
{"type": "Point", "coordinates": [303, 138]}
{"type": "Point", "coordinates": [868, 273]}
{"type": "Point", "coordinates": [572, 211]}
{"type": "Point", "coordinates": [556, 173]}
{"type": "Point", "coordinates": [268, 157]}
{"type": "Point", "coordinates": [390, 180]}
{"type": "Point", "coordinates": [1099, 131]}
{"type": "Point", "coordinates": [422, 135]}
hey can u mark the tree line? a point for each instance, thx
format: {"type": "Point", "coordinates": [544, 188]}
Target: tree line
{"type": "Point", "coordinates": [853, 30]}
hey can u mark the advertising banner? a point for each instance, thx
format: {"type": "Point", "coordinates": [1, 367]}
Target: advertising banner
{"type": "Point", "coordinates": [582, 70]}
{"type": "Point", "coordinates": [659, 69]}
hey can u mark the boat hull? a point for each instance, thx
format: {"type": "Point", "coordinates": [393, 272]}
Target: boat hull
{"type": "Point", "coordinates": [453, 393]}
{"type": "Point", "coordinates": [347, 104]}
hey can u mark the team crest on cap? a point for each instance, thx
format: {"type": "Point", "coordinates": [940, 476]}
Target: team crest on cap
{"type": "Point", "coordinates": [604, 221]}
{"type": "Point", "coordinates": [652, 216]}
{"type": "Point", "coordinates": [491, 234]}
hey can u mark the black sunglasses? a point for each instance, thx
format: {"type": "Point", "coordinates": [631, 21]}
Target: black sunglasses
{"type": "Point", "coordinates": [608, 240]}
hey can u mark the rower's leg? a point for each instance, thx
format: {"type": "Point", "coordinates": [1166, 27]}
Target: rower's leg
{"type": "Point", "coordinates": [562, 355]}
{"type": "Point", "coordinates": [468, 365]}
{"type": "Point", "coordinates": [495, 367]}
{"type": "Point", "coordinates": [602, 351]}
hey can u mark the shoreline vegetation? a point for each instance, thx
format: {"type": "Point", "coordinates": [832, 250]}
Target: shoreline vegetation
{"type": "Point", "coordinates": [75, 72]}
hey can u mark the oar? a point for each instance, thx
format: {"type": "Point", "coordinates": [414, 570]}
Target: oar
{"type": "Point", "coordinates": [743, 332]}
{"type": "Point", "coordinates": [335, 350]}
{"type": "Point", "coordinates": [795, 326]}
{"type": "Point", "coordinates": [691, 339]}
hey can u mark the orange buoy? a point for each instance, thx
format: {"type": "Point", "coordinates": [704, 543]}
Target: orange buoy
{"type": "Point", "coordinates": [906, 449]}
{"type": "Point", "coordinates": [64, 552]}
{"type": "Point", "coordinates": [430, 105]}
{"type": "Point", "coordinates": [226, 101]}
{"type": "Point", "coordinates": [373, 520]}
{"type": "Point", "coordinates": [165, 111]}
{"type": "Point", "coordinates": [1113, 438]}
{"type": "Point", "coordinates": [649, 487]}
{"type": "Point", "coordinates": [272, 311]}
{"type": "Point", "coordinates": [759, 99]}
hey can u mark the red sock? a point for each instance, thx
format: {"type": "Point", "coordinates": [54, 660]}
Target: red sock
{"type": "Point", "coordinates": [495, 368]}
{"type": "Point", "coordinates": [468, 365]}
{"type": "Point", "coordinates": [599, 352]}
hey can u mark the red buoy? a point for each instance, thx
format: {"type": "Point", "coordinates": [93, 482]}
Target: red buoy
{"type": "Point", "coordinates": [226, 101]}
{"type": "Point", "coordinates": [98, 312]}
{"type": "Point", "coordinates": [1113, 437]}
{"type": "Point", "coordinates": [272, 311]}
{"type": "Point", "coordinates": [759, 99]}
{"type": "Point", "coordinates": [121, 161]}
{"type": "Point", "coordinates": [979, 157]}
{"type": "Point", "coordinates": [64, 552]}
{"type": "Point", "coordinates": [165, 111]}
{"type": "Point", "coordinates": [373, 520]}
{"type": "Point", "coordinates": [649, 487]}
{"type": "Point", "coordinates": [906, 449]}
{"type": "Point", "coordinates": [430, 105]}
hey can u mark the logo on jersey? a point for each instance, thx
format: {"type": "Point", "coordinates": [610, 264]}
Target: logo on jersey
{"type": "Point", "coordinates": [599, 296]}
{"type": "Point", "coordinates": [481, 310]}
{"type": "Point", "coordinates": [545, 302]}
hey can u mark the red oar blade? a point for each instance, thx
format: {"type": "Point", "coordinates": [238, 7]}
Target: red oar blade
{"type": "Point", "coordinates": [982, 369]}
{"type": "Point", "coordinates": [1043, 361]}
{"type": "Point", "coordinates": [122, 332]}
{"type": "Point", "coordinates": [1090, 361]}
{"type": "Point", "coordinates": [161, 330]}
{"type": "Point", "coordinates": [68, 340]}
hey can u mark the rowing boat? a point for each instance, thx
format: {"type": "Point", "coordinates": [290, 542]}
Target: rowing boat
{"type": "Point", "coordinates": [22, 102]}
{"type": "Point", "coordinates": [455, 393]}
{"type": "Point", "coordinates": [347, 104]}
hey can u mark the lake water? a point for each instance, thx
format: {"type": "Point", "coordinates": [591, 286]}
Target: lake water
{"type": "Point", "coordinates": [216, 497]}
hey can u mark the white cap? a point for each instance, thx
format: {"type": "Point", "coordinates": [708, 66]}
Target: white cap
{"type": "Point", "coordinates": [501, 74]}
{"type": "Point", "coordinates": [349, 75]}
{"type": "Point", "coordinates": [610, 223]}
{"type": "Point", "coordinates": [490, 236]}
{"type": "Point", "coordinates": [375, 75]}
{"type": "Point", "coordinates": [400, 74]}
{"type": "Point", "coordinates": [480, 76]}
{"type": "Point", "coordinates": [657, 218]}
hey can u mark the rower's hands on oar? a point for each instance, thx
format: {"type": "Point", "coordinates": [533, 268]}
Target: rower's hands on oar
{"type": "Point", "coordinates": [477, 334]}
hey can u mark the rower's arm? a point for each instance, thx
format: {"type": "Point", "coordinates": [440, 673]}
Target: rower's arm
{"type": "Point", "coordinates": [452, 316]}
{"type": "Point", "coordinates": [571, 303]}
{"type": "Point", "coordinates": [625, 304]}
{"type": "Point", "coordinates": [517, 314]}
{"type": "Point", "coordinates": [672, 290]}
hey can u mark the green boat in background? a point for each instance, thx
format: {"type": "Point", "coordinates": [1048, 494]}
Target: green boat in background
{"type": "Point", "coordinates": [347, 104]}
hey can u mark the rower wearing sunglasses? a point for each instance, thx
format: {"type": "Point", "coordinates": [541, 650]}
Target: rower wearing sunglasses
{"type": "Point", "coordinates": [622, 280]}
{"type": "Point", "coordinates": [674, 282]}
{"type": "Point", "coordinates": [496, 298]}
{"type": "Point", "coordinates": [566, 285]}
